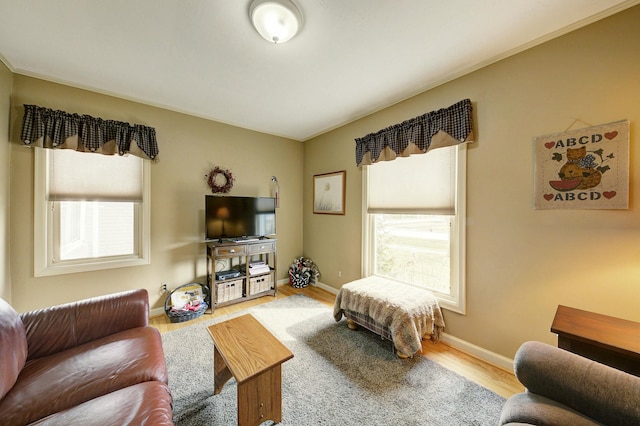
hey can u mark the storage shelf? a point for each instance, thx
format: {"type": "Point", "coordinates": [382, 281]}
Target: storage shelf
{"type": "Point", "coordinates": [238, 256]}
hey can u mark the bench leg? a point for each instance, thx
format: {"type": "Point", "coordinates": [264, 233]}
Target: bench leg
{"type": "Point", "coordinates": [401, 355]}
{"type": "Point", "coordinates": [260, 398]}
{"type": "Point", "coordinates": [221, 373]}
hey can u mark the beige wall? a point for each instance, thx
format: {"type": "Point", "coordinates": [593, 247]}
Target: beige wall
{"type": "Point", "coordinates": [521, 263]}
{"type": "Point", "coordinates": [5, 167]}
{"type": "Point", "coordinates": [189, 147]}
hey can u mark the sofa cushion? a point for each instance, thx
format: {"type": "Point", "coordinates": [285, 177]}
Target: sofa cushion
{"type": "Point", "coordinates": [529, 408]}
{"type": "Point", "coordinates": [13, 347]}
{"type": "Point", "coordinates": [57, 328]}
{"type": "Point", "coordinates": [147, 403]}
{"type": "Point", "coordinates": [63, 380]}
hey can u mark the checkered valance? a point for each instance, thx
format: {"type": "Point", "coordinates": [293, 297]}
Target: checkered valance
{"type": "Point", "coordinates": [47, 128]}
{"type": "Point", "coordinates": [445, 127]}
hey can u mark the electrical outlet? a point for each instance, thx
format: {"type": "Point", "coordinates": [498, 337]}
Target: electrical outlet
{"type": "Point", "coordinates": [339, 274]}
{"type": "Point", "coordinates": [163, 288]}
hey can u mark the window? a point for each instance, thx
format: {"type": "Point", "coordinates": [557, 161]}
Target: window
{"type": "Point", "coordinates": [414, 222]}
{"type": "Point", "coordinates": [91, 211]}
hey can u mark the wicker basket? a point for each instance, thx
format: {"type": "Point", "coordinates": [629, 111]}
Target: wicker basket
{"type": "Point", "coordinates": [260, 284]}
{"type": "Point", "coordinates": [228, 290]}
{"type": "Point", "coordinates": [182, 316]}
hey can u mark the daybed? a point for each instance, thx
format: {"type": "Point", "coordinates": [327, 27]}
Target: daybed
{"type": "Point", "coordinates": [563, 388]}
{"type": "Point", "coordinates": [93, 362]}
{"type": "Point", "coordinates": [398, 312]}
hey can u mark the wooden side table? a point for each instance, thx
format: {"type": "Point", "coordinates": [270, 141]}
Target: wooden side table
{"type": "Point", "coordinates": [247, 351]}
{"type": "Point", "coordinates": [608, 340]}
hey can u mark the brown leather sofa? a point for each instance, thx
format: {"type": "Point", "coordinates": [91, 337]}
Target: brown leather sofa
{"type": "Point", "coordinates": [92, 362]}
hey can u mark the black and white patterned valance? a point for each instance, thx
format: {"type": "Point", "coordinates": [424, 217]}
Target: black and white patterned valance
{"type": "Point", "coordinates": [445, 127]}
{"type": "Point", "coordinates": [48, 128]}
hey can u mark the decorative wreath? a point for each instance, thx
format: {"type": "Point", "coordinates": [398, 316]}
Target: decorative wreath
{"type": "Point", "coordinates": [216, 183]}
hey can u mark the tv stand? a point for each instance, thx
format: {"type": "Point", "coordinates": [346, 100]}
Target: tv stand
{"type": "Point", "coordinates": [255, 259]}
{"type": "Point", "coordinates": [245, 240]}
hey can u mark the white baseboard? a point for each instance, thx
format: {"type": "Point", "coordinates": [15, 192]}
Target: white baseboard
{"type": "Point", "coordinates": [326, 287]}
{"type": "Point", "coordinates": [316, 284]}
{"type": "Point", "coordinates": [478, 352]}
{"type": "Point", "coordinates": [156, 312]}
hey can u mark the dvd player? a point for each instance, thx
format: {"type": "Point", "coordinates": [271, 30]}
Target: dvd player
{"type": "Point", "coordinates": [225, 275]}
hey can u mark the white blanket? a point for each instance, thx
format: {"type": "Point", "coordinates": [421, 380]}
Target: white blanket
{"type": "Point", "coordinates": [407, 311]}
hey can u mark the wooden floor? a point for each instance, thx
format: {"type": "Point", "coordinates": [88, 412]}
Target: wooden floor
{"type": "Point", "coordinates": [491, 377]}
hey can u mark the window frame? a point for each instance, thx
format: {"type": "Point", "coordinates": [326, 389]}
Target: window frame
{"type": "Point", "coordinates": [44, 265]}
{"type": "Point", "coordinates": [456, 301]}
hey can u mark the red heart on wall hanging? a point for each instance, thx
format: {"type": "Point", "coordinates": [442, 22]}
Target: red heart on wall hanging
{"type": "Point", "coordinates": [550, 144]}
{"type": "Point", "coordinates": [609, 194]}
{"type": "Point", "coordinates": [548, 197]}
{"type": "Point", "coordinates": [611, 135]}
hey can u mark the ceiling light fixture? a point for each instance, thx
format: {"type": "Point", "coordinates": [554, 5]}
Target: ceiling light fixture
{"type": "Point", "coordinates": [277, 21]}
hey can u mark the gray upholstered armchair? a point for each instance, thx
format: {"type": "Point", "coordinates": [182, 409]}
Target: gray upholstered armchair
{"type": "Point", "coordinates": [566, 389]}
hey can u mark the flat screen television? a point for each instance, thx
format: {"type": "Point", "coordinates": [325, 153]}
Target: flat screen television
{"type": "Point", "coordinates": [239, 217]}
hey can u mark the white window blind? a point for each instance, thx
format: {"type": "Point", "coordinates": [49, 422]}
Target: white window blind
{"type": "Point", "coordinates": [105, 227]}
{"type": "Point", "coordinates": [419, 184]}
{"type": "Point", "coordinates": [77, 176]}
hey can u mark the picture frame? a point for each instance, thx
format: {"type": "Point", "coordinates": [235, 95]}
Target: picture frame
{"type": "Point", "coordinates": [329, 196]}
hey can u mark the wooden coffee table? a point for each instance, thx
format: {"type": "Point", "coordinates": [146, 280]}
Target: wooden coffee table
{"type": "Point", "coordinates": [247, 351]}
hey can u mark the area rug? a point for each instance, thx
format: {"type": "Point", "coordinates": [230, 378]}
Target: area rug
{"type": "Point", "coordinates": [336, 377]}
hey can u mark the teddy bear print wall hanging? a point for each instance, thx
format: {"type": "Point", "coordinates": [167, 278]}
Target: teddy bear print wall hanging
{"type": "Point", "coordinates": [583, 169]}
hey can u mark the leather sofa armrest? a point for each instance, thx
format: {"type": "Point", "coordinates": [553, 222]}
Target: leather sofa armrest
{"type": "Point", "coordinates": [603, 393]}
{"type": "Point", "coordinates": [57, 328]}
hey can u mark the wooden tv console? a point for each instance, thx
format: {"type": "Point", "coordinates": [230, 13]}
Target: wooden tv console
{"type": "Point", "coordinates": [239, 256]}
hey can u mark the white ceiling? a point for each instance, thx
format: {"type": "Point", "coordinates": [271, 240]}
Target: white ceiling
{"type": "Point", "coordinates": [203, 57]}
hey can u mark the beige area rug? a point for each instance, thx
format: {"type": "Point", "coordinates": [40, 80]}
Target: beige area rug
{"type": "Point", "coordinates": [337, 376]}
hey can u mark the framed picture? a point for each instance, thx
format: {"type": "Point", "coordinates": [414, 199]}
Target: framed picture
{"type": "Point", "coordinates": [329, 193]}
